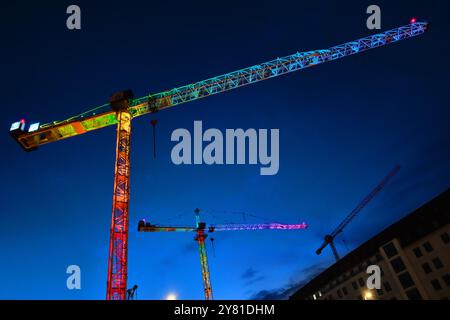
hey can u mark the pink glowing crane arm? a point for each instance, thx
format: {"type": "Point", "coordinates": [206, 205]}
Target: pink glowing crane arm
{"type": "Point", "coordinates": [147, 227]}
{"type": "Point", "coordinates": [260, 226]}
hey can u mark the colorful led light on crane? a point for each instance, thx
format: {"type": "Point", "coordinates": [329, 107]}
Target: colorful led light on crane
{"type": "Point", "coordinates": [18, 125]}
{"type": "Point", "coordinates": [259, 226]}
{"type": "Point", "coordinates": [15, 126]}
{"type": "Point", "coordinates": [33, 127]}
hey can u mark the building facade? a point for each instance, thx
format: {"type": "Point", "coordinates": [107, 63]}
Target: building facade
{"type": "Point", "coordinates": [413, 255]}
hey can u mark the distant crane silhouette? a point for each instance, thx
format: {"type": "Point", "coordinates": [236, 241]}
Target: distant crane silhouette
{"type": "Point", "coordinates": [202, 229]}
{"type": "Point", "coordinates": [329, 238]}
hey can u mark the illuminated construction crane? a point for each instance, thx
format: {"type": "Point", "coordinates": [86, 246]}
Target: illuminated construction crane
{"type": "Point", "coordinates": [122, 108]}
{"type": "Point", "coordinates": [329, 238]}
{"type": "Point", "coordinates": [202, 230]}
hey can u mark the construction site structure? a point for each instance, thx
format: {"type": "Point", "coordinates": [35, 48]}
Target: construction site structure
{"type": "Point", "coordinates": [201, 230]}
{"type": "Point", "coordinates": [329, 238]}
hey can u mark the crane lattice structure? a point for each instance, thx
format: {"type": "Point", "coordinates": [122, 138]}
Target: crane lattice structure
{"type": "Point", "coordinates": [123, 107]}
{"type": "Point", "coordinates": [329, 238]}
{"type": "Point", "coordinates": [202, 230]}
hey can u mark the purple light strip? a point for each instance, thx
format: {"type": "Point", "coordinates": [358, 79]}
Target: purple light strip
{"type": "Point", "coordinates": [263, 226]}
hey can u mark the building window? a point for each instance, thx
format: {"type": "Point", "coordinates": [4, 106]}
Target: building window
{"type": "Point", "coordinates": [427, 246]}
{"type": "Point", "coordinates": [426, 268]}
{"type": "Point", "coordinates": [390, 250]}
{"type": "Point", "coordinates": [413, 294]}
{"type": "Point", "coordinates": [437, 263]}
{"type": "Point", "coordinates": [445, 238]}
{"type": "Point", "coordinates": [361, 282]}
{"type": "Point", "coordinates": [380, 292]}
{"type": "Point", "coordinates": [417, 252]}
{"type": "Point", "coordinates": [436, 284]}
{"type": "Point", "coordinates": [398, 265]}
{"type": "Point", "coordinates": [446, 279]}
{"type": "Point", "coordinates": [406, 280]}
{"type": "Point", "coordinates": [387, 286]}
{"type": "Point", "coordinates": [354, 285]}
{"type": "Point", "coordinates": [344, 290]}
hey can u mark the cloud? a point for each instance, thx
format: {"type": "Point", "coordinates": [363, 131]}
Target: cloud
{"type": "Point", "coordinates": [256, 279]}
{"type": "Point", "coordinates": [252, 276]}
{"type": "Point", "coordinates": [270, 295]}
{"type": "Point", "coordinates": [298, 280]}
{"type": "Point", "coordinates": [249, 273]}
{"type": "Point", "coordinates": [190, 247]}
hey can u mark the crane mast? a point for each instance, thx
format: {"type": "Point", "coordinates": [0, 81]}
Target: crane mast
{"type": "Point", "coordinates": [122, 108]}
{"type": "Point", "coordinates": [201, 231]}
{"type": "Point", "coordinates": [200, 238]}
{"type": "Point", "coordinates": [118, 245]}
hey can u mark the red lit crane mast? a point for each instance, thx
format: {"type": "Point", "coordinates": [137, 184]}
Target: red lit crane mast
{"type": "Point", "coordinates": [123, 107]}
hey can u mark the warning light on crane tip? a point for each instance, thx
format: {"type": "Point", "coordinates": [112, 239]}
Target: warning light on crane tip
{"type": "Point", "coordinates": [171, 296]}
{"type": "Point", "coordinates": [413, 20]}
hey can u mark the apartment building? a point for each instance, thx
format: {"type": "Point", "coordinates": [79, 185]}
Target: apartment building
{"type": "Point", "coordinates": [413, 255]}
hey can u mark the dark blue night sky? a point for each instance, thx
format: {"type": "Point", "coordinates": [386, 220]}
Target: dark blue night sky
{"type": "Point", "coordinates": [343, 126]}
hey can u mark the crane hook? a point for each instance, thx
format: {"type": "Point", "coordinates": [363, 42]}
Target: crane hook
{"type": "Point", "coordinates": [212, 244]}
{"type": "Point", "coordinates": [154, 122]}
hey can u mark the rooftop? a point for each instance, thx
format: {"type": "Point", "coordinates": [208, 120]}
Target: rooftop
{"type": "Point", "coordinates": [422, 221]}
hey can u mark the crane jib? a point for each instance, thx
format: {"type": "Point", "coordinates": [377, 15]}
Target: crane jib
{"type": "Point", "coordinates": [35, 135]}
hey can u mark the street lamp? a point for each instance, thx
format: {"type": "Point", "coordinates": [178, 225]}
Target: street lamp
{"type": "Point", "coordinates": [368, 295]}
{"type": "Point", "coordinates": [171, 296]}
